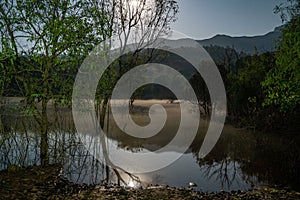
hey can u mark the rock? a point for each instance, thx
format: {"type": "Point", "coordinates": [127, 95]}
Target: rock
{"type": "Point", "coordinates": [12, 168]}
{"type": "Point", "coordinates": [192, 184]}
{"type": "Point", "coordinates": [24, 184]}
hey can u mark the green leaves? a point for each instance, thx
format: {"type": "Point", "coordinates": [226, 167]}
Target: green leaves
{"type": "Point", "coordinates": [7, 60]}
{"type": "Point", "coordinates": [282, 84]}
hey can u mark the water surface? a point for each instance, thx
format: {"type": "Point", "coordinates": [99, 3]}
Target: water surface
{"type": "Point", "coordinates": [240, 160]}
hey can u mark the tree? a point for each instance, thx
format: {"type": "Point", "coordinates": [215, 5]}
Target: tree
{"type": "Point", "coordinates": [282, 83]}
{"type": "Point", "coordinates": [6, 63]}
{"type": "Point", "coordinates": [48, 40]}
{"type": "Point", "coordinates": [244, 89]}
{"type": "Point", "coordinates": [146, 20]}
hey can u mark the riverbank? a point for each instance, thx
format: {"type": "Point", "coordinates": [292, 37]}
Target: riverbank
{"type": "Point", "coordinates": [45, 183]}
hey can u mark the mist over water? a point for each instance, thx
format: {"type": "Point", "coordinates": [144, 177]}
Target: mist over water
{"type": "Point", "coordinates": [241, 159]}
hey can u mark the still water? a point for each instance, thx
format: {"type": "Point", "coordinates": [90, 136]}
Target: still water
{"type": "Point", "coordinates": [241, 159]}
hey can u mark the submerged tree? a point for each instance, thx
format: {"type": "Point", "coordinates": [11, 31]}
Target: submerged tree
{"type": "Point", "coordinates": [46, 41]}
{"type": "Point", "coordinates": [141, 22]}
{"type": "Point", "coordinates": [49, 39]}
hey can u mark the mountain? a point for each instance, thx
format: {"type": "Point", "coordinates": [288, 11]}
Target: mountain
{"type": "Point", "coordinates": [262, 43]}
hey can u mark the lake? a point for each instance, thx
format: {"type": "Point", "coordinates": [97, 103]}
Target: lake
{"type": "Point", "coordinates": [240, 160]}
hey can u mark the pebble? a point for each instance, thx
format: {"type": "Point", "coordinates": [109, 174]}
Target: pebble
{"type": "Point", "coordinates": [192, 184]}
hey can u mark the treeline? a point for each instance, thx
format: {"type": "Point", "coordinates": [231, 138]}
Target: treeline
{"type": "Point", "coordinates": [247, 95]}
{"type": "Point", "coordinates": [247, 78]}
{"type": "Point", "coordinates": [263, 90]}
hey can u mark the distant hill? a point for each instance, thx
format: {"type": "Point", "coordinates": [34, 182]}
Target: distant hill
{"type": "Point", "coordinates": [246, 44]}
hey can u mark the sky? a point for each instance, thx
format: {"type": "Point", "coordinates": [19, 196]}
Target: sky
{"type": "Point", "coordinates": [201, 19]}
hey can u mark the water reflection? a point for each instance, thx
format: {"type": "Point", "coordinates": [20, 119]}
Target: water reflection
{"type": "Point", "coordinates": [240, 159]}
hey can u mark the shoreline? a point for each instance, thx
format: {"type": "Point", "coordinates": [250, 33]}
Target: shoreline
{"type": "Point", "coordinates": [38, 182]}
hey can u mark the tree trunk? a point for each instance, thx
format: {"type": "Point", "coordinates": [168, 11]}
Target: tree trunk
{"type": "Point", "coordinates": [44, 135]}
{"type": "Point", "coordinates": [102, 111]}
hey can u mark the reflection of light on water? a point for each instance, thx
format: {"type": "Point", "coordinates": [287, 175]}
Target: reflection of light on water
{"type": "Point", "coordinates": [131, 184]}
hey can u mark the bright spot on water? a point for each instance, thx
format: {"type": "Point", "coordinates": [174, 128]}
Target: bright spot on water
{"type": "Point", "coordinates": [131, 184]}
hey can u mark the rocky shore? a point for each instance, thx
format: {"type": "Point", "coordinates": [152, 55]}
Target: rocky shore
{"type": "Point", "coordinates": [44, 183]}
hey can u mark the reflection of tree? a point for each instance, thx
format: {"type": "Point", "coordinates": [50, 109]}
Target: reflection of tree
{"type": "Point", "coordinates": [20, 147]}
{"type": "Point", "coordinates": [141, 24]}
{"type": "Point", "coordinates": [224, 172]}
{"type": "Point", "coordinates": [16, 148]}
{"type": "Point", "coordinates": [254, 158]}
{"type": "Point", "coordinates": [116, 169]}
{"type": "Point", "coordinates": [275, 160]}
{"type": "Point", "coordinates": [238, 156]}
{"type": "Point", "coordinates": [224, 163]}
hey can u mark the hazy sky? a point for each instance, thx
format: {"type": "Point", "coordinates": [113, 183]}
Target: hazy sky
{"type": "Point", "coordinates": [201, 19]}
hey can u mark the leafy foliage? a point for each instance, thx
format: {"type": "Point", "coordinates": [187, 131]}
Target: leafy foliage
{"type": "Point", "coordinates": [282, 83]}
{"type": "Point", "coordinates": [245, 89]}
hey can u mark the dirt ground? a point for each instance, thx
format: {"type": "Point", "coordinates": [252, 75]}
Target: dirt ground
{"type": "Point", "coordinates": [45, 183]}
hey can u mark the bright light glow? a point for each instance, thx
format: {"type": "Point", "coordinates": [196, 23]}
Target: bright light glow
{"type": "Point", "coordinates": [134, 4]}
{"type": "Point", "coordinates": [131, 184]}
{"type": "Point", "coordinates": [137, 5]}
